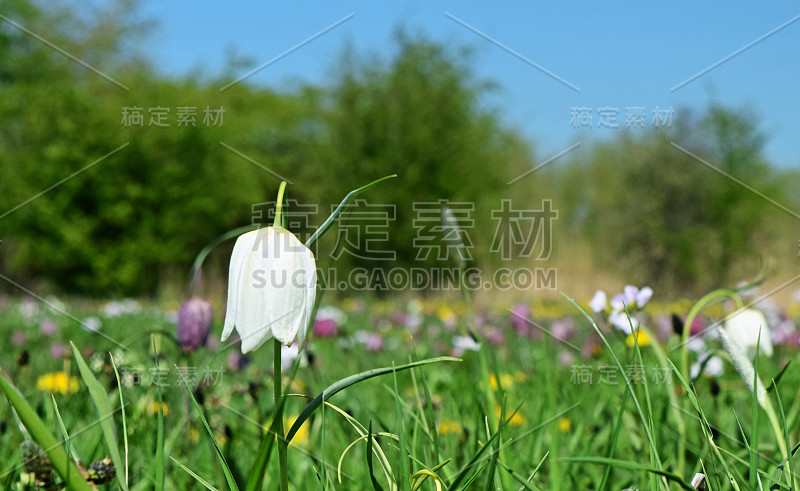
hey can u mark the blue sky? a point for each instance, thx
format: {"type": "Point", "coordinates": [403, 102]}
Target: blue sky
{"type": "Point", "coordinates": [631, 55]}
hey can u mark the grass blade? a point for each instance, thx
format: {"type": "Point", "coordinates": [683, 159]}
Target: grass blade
{"type": "Point", "coordinates": [122, 413]}
{"type": "Point", "coordinates": [346, 382]}
{"type": "Point", "coordinates": [332, 218]}
{"type": "Point", "coordinates": [159, 463]}
{"type": "Point", "coordinates": [607, 474]}
{"type": "Point", "coordinates": [405, 472]}
{"type": "Point", "coordinates": [64, 431]}
{"type": "Point", "coordinates": [255, 477]}
{"type": "Point", "coordinates": [103, 406]}
{"type": "Point", "coordinates": [39, 432]}
{"type": "Point", "coordinates": [778, 377]}
{"type": "Point", "coordinates": [222, 462]}
{"type": "Point", "coordinates": [198, 261]}
{"type": "Point", "coordinates": [489, 443]}
{"type": "Point", "coordinates": [634, 466]}
{"type": "Point", "coordinates": [792, 475]}
{"type": "Point", "coordinates": [645, 421]}
{"type": "Point", "coordinates": [194, 475]}
{"type": "Point", "coordinates": [375, 484]}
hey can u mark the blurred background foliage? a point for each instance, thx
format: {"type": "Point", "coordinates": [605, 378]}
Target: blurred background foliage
{"type": "Point", "coordinates": [635, 208]}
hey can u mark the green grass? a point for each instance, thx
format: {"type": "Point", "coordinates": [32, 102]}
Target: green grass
{"type": "Point", "coordinates": [410, 429]}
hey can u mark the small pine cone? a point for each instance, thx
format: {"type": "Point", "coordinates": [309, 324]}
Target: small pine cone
{"type": "Point", "coordinates": [101, 471]}
{"type": "Point", "coordinates": [37, 463]}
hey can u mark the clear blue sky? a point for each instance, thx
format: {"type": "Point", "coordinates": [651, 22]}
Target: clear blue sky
{"type": "Point", "coordinates": [631, 54]}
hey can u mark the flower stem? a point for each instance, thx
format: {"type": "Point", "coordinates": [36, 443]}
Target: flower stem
{"type": "Point", "coordinates": [279, 206]}
{"type": "Point", "coordinates": [282, 458]}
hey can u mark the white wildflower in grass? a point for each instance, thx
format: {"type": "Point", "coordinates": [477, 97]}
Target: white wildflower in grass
{"type": "Point", "coordinates": [743, 328]}
{"type": "Point", "coordinates": [119, 308]}
{"type": "Point", "coordinates": [643, 296]}
{"type": "Point", "coordinates": [696, 345]}
{"type": "Point", "coordinates": [462, 344]}
{"type": "Point", "coordinates": [620, 320]}
{"type": "Point", "coordinates": [271, 289]}
{"type": "Point", "coordinates": [289, 354]}
{"type": "Point", "coordinates": [632, 298]}
{"type": "Point", "coordinates": [710, 364]}
{"type": "Point", "coordinates": [91, 324]}
{"type": "Point", "coordinates": [333, 313]}
{"type": "Point", "coordinates": [598, 303]}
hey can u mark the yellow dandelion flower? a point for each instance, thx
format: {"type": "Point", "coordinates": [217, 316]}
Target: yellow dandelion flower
{"type": "Point", "coordinates": [153, 409]}
{"type": "Point", "coordinates": [506, 380]}
{"type": "Point", "coordinates": [446, 314]}
{"type": "Point", "coordinates": [564, 425]}
{"type": "Point", "coordinates": [641, 337]}
{"type": "Point", "coordinates": [449, 426]}
{"type": "Point", "coordinates": [60, 382]}
{"type": "Point", "coordinates": [516, 420]}
{"type": "Point", "coordinates": [301, 437]}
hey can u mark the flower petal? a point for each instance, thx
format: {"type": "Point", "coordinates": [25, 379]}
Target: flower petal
{"type": "Point", "coordinates": [643, 296]}
{"type": "Point", "coordinates": [598, 301]}
{"type": "Point", "coordinates": [243, 246]}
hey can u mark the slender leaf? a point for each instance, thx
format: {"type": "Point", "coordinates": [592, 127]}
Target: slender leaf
{"type": "Point", "coordinates": [344, 383]}
{"type": "Point", "coordinates": [375, 484]}
{"type": "Point", "coordinates": [122, 413]}
{"type": "Point", "coordinates": [103, 406]}
{"type": "Point", "coordinates": [792, 475]}
{"type": "Point", "coordinates": [194, 475]}
{"type": "Point", "coordinates": [159, 463]}
{"type": "Point", "coordinates": [220, 456]}
{"type": "Point", "coordinates": [332, 218]}
{"type": "Point", "coordinates": [64, 432]}
{"type": "Point", "coordinates": [39, 432]}
{"type": "Point", "coordinates": [255, 478]}
{"type": "Point", "coordinates": [198, 261]}
{"type": "Point", "coordinates": [607, 474]}
{"type": "Point", "coordinates": [778, 377]}
{"type": "Point", "coordinates": [404, 469]}
{"type": "Point", "coordinates": [634, 466]}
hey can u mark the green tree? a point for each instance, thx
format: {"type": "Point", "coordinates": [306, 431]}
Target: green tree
{"type": "Point", "coordinates": [661, 216]}
{"type": "Point", "coordinates": [419, 116]}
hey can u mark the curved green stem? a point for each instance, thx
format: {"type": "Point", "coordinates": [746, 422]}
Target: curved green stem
{"type": "Point", "coordinates": [702, 304]}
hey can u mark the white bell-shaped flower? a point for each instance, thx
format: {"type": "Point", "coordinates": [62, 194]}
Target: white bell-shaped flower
{"type": "Point", "coordinates": [743, 328]}
{"type": "Point", "coordinates": [271, 288]}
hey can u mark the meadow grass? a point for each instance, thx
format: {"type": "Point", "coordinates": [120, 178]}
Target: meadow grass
{"type": "Point", "coordinates": [537, 424]}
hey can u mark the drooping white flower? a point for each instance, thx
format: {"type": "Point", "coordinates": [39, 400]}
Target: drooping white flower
{"type": "Point", "coordinates": [271, 288]}
{"type": "Point", "coordinates": [743, 329]}
{"type": "Point", "coordinates": [598, 302]}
